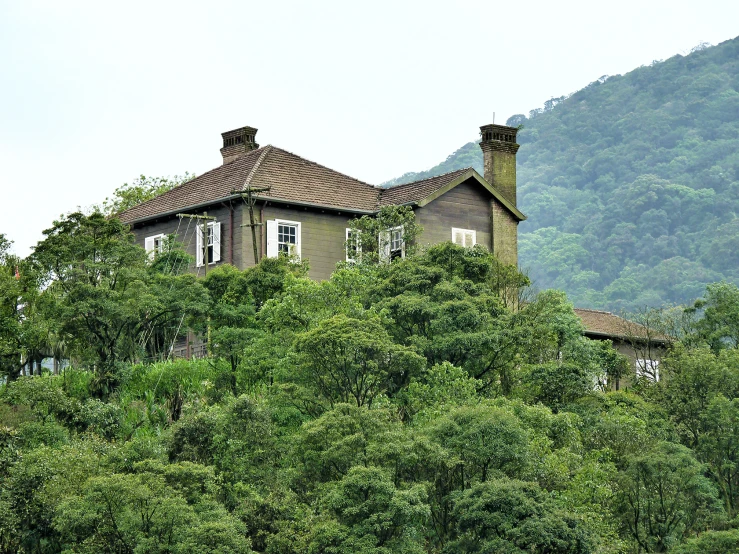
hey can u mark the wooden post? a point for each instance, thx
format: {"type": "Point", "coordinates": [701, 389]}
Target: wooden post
{"type": "Point", "coordinates": [250, 201]}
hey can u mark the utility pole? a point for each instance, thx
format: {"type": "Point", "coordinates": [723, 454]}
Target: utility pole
{"type": "Point", "coordinates": [203, 227]}
{"type": "Point", "coordinates": [248, 197]}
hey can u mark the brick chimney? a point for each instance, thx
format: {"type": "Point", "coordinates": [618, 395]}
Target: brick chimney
{"type": "Point", "coordinates": [238, 142]}
{"type": "Point", "coordinates": [499, 149]}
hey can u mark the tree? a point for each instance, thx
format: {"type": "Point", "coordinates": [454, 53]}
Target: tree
{"type": "Point", "coordinates": [231, 316]}
{"type": "Point", "coordinates": [694, 378]}
{"type": "Point", "coordinates": [142, 188]}
{"type": "Point", "coordinates": [719, 324]}
{"type": "Point", "coordinates": [103, 296]}
{"type": "Point", "coordinates": [10, 313]}
{"type": "Point", "coordinates": [26, 336]}
{"type": "Point", "coordinates": [351, 360]}
{"type": "Point", "coordinates": [709, 542]}
{"type": "Point", "coordinates": [487, 441]}
{"type": "Point", "coordinates": [663, 496]}
{"type": "Point", "coordinates": [718, 447]}
{"type": "Point", "coordinates": [140, 512]}
{"type": "Point", "coordinates": [515, 517]}
{"type": "Point", "coordinates": [371, 516]}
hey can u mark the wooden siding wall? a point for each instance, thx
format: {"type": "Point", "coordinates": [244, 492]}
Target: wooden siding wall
{"type": "Point", "coordinates": [467, 206]}
{"type": "Point", "coordinates": [186, 235]}
{"type": "Point", "coordinates": [322, 237]}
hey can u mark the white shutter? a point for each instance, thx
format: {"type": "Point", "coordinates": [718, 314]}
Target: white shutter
{"type": "Point", "coordinates": [216, 230]}
{"type": "Point", "coordinates": [198, 245]}
{"type": "Point", "coordinates": [464, 237]}
{"type": "Point", "coordinates": [272, 247]}
{"type": "Point", "coordinates": [384, 246]}
{"type": "Point", "coordinates": [149, 246]}
{"type": "Point", "coordinates": [298, 241]}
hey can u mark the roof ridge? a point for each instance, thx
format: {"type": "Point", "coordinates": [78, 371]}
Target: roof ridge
{"type": "Point", "coordinates": [429, 178]}
{"type": "Point", "coordinates": [594, 311]}
{"type": "Point", "coordinates": [323, 166]}
{"type": "Point", "coordinates": [262, 156]}
{"type": "Point", "coordinates": [181, 185]}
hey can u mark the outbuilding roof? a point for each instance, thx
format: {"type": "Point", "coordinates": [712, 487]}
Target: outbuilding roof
{"type": "Point", "coordinates": [607, 325]}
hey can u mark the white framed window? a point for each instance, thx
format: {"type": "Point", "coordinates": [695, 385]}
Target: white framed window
{"type": "Point", "coordinates": [392, 244]}
{"type": "Point", "coordinates": [464, 237]}
{"type": "Point", "coordinates": [353, 246]}
{"type": "Point", "coordinates": [648, 369]}
{"type": "Point", "coordinates": [212, 244]}
{"type": "Point", "coordinates": [283, 237]}
{"type": "Point", "coordinates": [154, 244]}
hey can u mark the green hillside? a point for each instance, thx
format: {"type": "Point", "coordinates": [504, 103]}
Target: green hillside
{"type": "Point", "coordinates": [631, 185]}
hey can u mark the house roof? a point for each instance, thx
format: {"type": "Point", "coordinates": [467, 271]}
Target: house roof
{"type": "Point", "coordinates": [424, 191]}
{"type": "Point", "coordinates": [295, 179]}
{"type": "Point", "coordinates": [605, 324]}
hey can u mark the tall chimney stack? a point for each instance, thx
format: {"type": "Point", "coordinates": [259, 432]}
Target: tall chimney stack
{"type": "Point", "coordinates": [499, 149]}
{"type": "Point", "coordinates": [238, 142]}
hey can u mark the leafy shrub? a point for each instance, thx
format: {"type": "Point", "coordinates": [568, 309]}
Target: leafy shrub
{"type": "Point", "coordinates": [34, 434]}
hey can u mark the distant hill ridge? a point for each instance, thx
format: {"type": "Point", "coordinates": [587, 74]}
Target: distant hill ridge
{"type": "Point", "coordinates": [631, 184]}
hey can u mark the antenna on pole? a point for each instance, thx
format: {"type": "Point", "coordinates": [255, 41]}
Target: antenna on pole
{"type": "Point", "coordinates": [493, 118]}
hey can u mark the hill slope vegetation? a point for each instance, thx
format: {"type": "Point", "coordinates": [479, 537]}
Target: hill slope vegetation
{"type": "Point", "coordinates": [631, 185]}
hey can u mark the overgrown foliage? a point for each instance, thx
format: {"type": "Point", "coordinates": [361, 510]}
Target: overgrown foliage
{"type": "Point", "coordinates": [407, 406]}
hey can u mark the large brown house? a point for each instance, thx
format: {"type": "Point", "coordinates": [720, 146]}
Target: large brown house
{"type": "Point", "coordinates": [303, 208]}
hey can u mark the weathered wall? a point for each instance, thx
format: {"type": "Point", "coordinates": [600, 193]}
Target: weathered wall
{"type": "Point", "coordinates": [466, 206]}
{"type": "Point", "coordinates": [627, 349]}
{"type": "Point", "coordinates": [505, 233]}
{"type": "Point", "coordinates": [323, 235]}
{"type": "Point", "coordinates": [185, 229]}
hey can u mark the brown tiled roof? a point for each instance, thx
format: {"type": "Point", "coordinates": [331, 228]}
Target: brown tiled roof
{"type": "Point", "coordinates": [208, 187]}
{"type": "Point", "coordinates": [294, 178]}
{"type": "Point", "coordinates": [418, 190]}
{"type": "Point", "coordinates": [291, 179]}
{"type": "Point", "coordinates": [610, 325]}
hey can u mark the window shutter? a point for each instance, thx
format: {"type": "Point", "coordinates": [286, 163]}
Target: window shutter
{"type": "Point", "coordinates": [198, 245]}
{"type": "Point", "coordinates": [464, 237]}
{"type": "Point", "coordinates": [298, 241]}
{"type": "Point", "coordinates": [272, 249]}
{"type": "Point", "coordinates": [216, 230]}
{"type": "Point", "coordinates": [384, 246]}
{"type": "Point", "coordinates": [149, 246]}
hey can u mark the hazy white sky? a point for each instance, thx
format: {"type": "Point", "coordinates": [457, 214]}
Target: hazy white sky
{"type": "Point", "coordinates": [93, 94]}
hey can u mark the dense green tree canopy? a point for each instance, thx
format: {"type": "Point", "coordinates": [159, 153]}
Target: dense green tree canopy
{"type": "Point", "coordinates": [431, 404]}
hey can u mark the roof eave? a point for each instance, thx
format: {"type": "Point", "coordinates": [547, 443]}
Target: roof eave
{"type": "Point", "coordinates": [625, 338]}
{"type": "Point", "coordinates": [257, 197]}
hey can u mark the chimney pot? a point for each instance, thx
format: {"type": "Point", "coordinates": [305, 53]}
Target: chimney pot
{"type": "Point", "coordinates": [238, 142]}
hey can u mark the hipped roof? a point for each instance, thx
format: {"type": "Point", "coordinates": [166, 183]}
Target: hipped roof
{"type": "Point", "coordinates": [293, 179]}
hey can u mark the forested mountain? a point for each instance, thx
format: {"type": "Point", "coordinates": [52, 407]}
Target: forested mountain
{"type": "Point", "coordinates": [631, 185]}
